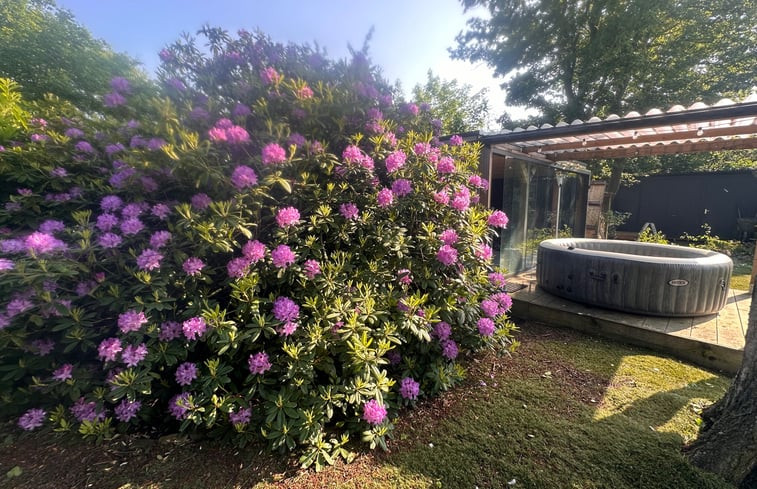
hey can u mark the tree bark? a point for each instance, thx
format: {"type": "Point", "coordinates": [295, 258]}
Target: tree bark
{"type": "Point", "coordinates": [727, 443]}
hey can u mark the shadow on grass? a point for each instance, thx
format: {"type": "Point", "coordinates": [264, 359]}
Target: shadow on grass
{"type": "Point", "coordinates": [561, 436]}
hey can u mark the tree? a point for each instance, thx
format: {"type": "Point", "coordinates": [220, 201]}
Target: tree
{"type": "Point", "coordinates": [45, 50]}
{"type": "Point", "coordinates": [453, 104]}
{"type": "Point", "coordinates": [727, 443]}
{"type": "Point", "coordinates": [575, 59]}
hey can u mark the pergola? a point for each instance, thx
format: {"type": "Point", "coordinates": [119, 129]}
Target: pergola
{"type": "Point", "coordinates": [725, 125]}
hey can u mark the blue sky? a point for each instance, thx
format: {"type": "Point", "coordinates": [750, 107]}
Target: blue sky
{"type": "Point", "coordinates": [410, 37]}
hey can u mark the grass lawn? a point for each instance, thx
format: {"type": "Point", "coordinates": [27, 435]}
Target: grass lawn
{"type": "Point", "coordinates": [565, 411]}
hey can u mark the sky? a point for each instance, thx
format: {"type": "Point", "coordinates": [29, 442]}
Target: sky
{"type": "Point", "coordinates": [410, 36]}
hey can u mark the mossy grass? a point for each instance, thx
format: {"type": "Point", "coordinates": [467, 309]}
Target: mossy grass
{"type": "Point", "coordinates": [565, 411]}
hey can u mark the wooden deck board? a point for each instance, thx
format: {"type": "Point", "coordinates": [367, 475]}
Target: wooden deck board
{"type": "Point", "coordinates": [714, 341]}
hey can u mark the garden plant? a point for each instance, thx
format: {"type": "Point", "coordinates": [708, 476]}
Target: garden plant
{"type": "Point", "coordinates": [269, 245]}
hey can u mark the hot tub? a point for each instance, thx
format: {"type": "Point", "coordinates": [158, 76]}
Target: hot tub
{"type": "Point", "coordinates": [643, 278]}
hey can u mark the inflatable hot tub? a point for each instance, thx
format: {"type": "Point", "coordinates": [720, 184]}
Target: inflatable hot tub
{"type": "Point", "coordinates": [642, 278]}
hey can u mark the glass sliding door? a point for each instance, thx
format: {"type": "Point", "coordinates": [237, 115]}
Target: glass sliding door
{"type": "Point", "coordinates": [541, 200]}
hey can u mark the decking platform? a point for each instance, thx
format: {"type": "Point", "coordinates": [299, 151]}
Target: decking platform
{"type": "Point", "coordinates": [715, 341]}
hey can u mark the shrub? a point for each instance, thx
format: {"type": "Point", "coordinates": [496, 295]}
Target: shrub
{"type": "Point", "coordinates": [258, 251]}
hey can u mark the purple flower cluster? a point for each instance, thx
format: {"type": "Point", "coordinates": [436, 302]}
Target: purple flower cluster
{"type": "Point", "coordinates": [51, 226]}
{"type": "Point", "coordinates": [442, 330]}
{"type": "Point", "coordinates": [179, 405]}
{"type": "Point", "coordinates": [149, 259]}
{"type": "Point", "coordinates": [449, 349]}
{"type": "Point", "coordinates": [170, 330]}
{"type": "Point", "coordinates": [456, 140]}
{"type": "Point", "coordinates": [132, 355]}
{"type": "Point", "coordinates": [240, 417]}
{"type": "Point", "coordinates": [127, 410]}
{"type": "Point", "coordinates": [285, 309]}
{"type": "Point", "coordinates": [200, 201]}
{"type": "Point", "coordinates": [243, 177]}
{"type": "Point", "coordinates": [86, 411]}
{"type": "Point", "coordinates": [64, 372]}
{"type": "Point", "coordinates": [39, 243]}
{"type": "Point", "coordinates": [483, 252]}
{"type": "Point", "coordinates": [485, 327]}
{"type": "Point", "coordinates": [259, 363]}
{"type": "Point", "coordinates": [448, 237]}
{"type": "Point", "coordinates": [194, 328]}
{"type": "Point", "coordinates": [192, 266]}
{"type": "Point", "coordinates": [497, 279]}
{"type": "Point", "coordinates": [186, 373]}
{"type": "Point", "coordinates": [445, 165]}
{"type": "Point", "coordinates": [32, 419]}
{"type": "Point", "coordinates": [349, 210]}
{"type": "Point", "coordinates": [409, 388]}
{"type": "Point", "coordinates": [131, 321]}
{"type": "Point", "coordinates": [402, 187]}
{"type": "Point", "coordinates": [159, 239]}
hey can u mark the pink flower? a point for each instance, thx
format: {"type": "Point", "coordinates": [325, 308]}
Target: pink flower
{"type": "Point", "coordinates": [348, 210]}
{"type": "Point", "coordinates": [40, 243]}
{"type": "Point", "coordinates": [109, 349]}
{"type": "Point", "coordinates": [259, 363]}
{"type": "Point", "coordinates": [395, 161]}
{"type": "Point", "coordinates": [254, 251]}
{"type": "Point", "coordinates": [483, 252]}
{"type": "Point", "coordinates": [448, 237]}
{"type": "Point", "coordinates": [401, 187]}
{"type": "Point", "coordinates": [478, 182]}
{"type": "Point", "coordinates": [446, 165]}
{"type": "Point", "coordinates": [498, 219]}
{"type": "Point", "coordinates": [64, 372]}
{"type": "Point", "coordinates": [194, 327]}
{"type": "Point", "coordinates": [497, 279]}
{"type": "Point", "coordinates": [352, 154]}
{"type": "Point", "coordinates": [312, 268]}
{"type": "Point", "coordinates": [288, 328]}
{"type": "Point", "coordinates": [305, 92]}
{"type": "Point", "coordinates": [149, 259]}
{"type": "Point", "coordinates": [385, 197]}
{"type": "Point", "coordinates": [421, 149]}
{"type": "Point", "coordinates": [404, 276]}
{"type": "Point", "coordinates": [273, 153]}
{"type": "Point", "coordinates": [409, 388]}
{"type": "Point", "coordinates": [456, 140]}
{"type": "Point", "coordinates": [192, 266]}
{"type": "Point", "coordinates": [447, 255]}
{"type": "Point", "coordinates": [243, 177]}
{"type": "Point", "coordinates": [490, 308]}
{"type": "Point", "coordinates": [288, 216]}
{"type": "Point", "coordinates": [283, 256]}
{"type": "Point", "coordinates": [441, 197]}
{"type": "Point", "coordinates": [485, 327]}
{"type": "Point", "coordinates": [373, 412]}
{"type": "Point", "coordinates": [132, 355]}
{"type": "Point", "coordinates": [269, 76]}
{"type": "Point", "coordinates": [504, 300]}
{"type": "Point", "coordinates": [461, 199]}
{"type": "Point", "coordinates": [161, 211]}
{"type": "Point", "coordinates": [285, 309]}
{"type": "Point", "coordinates": [186, 373]}
{"type": "Point", "coordinates": [131, 321]}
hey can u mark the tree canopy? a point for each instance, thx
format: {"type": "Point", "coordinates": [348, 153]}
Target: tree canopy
{"type": "Point", "coordinates": [573, 59]}
{"type": "Point", "coordinates": [458, 109]}
{"type": "Point", "coordinates": [45, 50]}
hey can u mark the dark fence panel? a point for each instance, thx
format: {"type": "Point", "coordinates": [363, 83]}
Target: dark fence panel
{"type": "Point", "coordinates": [682, 203]}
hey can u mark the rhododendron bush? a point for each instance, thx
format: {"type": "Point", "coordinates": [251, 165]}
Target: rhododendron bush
{"type": "Point", "coordinates": [269, 246]}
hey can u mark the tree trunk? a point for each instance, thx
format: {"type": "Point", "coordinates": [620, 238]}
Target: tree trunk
{"type": "Point", "coordinates": [727, 443]}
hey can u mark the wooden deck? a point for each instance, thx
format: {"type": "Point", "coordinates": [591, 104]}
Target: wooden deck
{"type": "Point", "coordinates": [715, 341]}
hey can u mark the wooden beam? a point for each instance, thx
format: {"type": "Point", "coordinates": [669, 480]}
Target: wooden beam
{"type": "Point", "coordinates": [589, 142]}
{"type": "Point", "coordinates": [659, 149]}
